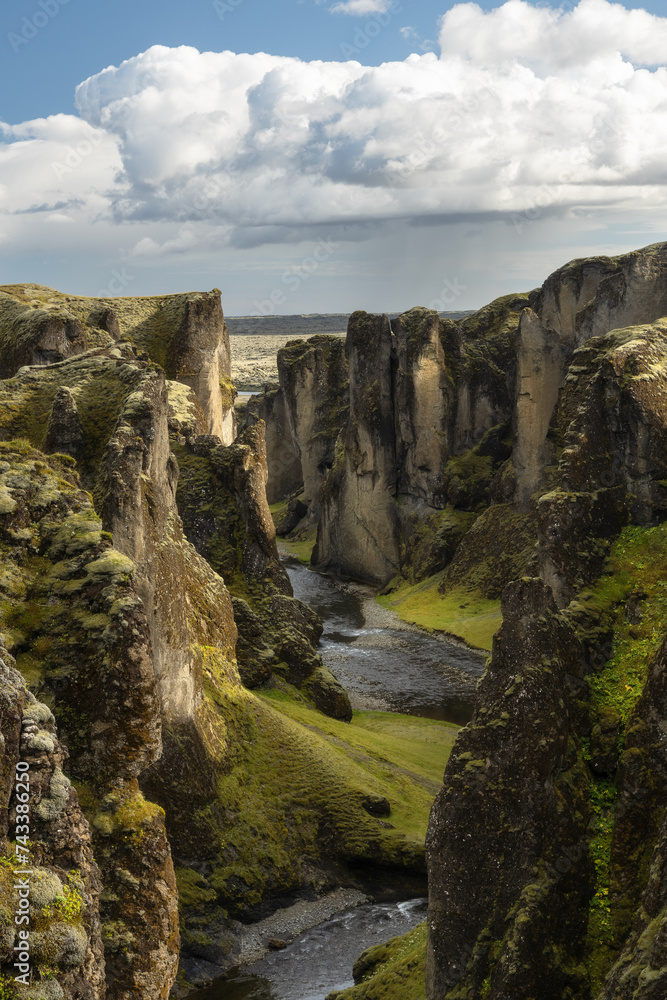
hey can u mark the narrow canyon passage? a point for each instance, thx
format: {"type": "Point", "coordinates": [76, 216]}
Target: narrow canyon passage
{"type": "Point", "coordinates": [387, 666]}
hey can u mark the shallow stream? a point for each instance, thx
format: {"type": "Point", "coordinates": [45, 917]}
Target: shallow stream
{"type": "Point", "coordinates": [319, 960]}
{"type": "Point", "coordinates": [383, 663]}
{"type": "Point", "coordinates": [387, 666]}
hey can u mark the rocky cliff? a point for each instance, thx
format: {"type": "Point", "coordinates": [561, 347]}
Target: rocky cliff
{"type": "Point", "coordinates": [540, 492]}
{"type": "Point", "coordinates": [186, 334]}
{"type": "Point", "coordinates": [196, 791]}
{"type": "Point", "coordinates": [546, 843]}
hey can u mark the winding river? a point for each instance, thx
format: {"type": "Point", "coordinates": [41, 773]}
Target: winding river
{"type": "Point", "coordinates": [388, 666]}
{"type": "Point", "coordinates": [384, 663]}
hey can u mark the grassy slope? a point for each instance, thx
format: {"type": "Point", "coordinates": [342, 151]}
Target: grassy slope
{"type": "Point", "coordinates": [637, 566]}
{"type": "Point", "coordinates": [460, 612]}
{"type": "Point", "coordinates": [293, 791]}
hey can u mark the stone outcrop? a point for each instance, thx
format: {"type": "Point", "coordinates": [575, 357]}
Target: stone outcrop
{"type": "Point", "coordinates": [314, 383]}
{"type": "Point", "coordinates": [77, 627]}
{"type": "Point", "coordinates": [186, 334]}
{"type": "Point", "coordinates": [430, 407]}
{"type": "Point", "coordinates": [546, 844]}
{"type": "Point", "coordinates": [495, 889]}
{"type": "Point", "coordinates": [145, 688]}
{"type": "Point", "coordinates": [66, 954]}
{"type": "Point", "coordinates": [358, 533]}
{"type": "Point", "coordinates": [423, 396]}
{"type": "Point", "coordinates": [222, 499]}
{"type": "Point", "coordinates": [285, 475]}
{"type": "Point", "coordinates": [585, 299]}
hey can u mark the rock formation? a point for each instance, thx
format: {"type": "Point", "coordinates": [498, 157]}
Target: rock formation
{"type": "Point", "coordinates": [129, 635]}
{"type": "Point", "coordinates": [185, 334]}
{"type": "Point", "coordinates": [285, 475]}
{"type": "Point", "coordinates": [546, 843]}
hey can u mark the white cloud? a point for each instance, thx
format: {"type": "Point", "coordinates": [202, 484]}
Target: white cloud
{"type": "Point", "coordinates": [360, 8]}
{"type": "Point", "coordinates": [529, 111]}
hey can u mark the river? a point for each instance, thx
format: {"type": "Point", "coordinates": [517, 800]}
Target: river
{"type": "Point", "coordinates": [387, 666]}
{"type": "Point", "coordinates": [383, 663]}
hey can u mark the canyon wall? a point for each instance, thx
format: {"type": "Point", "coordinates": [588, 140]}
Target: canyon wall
{"type": "Point", "coordinates": [546, 843]}
{"type": "Point", "coordinates": [185, 334]}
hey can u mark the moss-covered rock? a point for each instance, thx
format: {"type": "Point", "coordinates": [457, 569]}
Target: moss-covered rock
{"type": "Point", "coordinates": [185, 334]}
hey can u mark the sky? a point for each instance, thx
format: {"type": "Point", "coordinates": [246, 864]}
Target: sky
{"type": "Point", "coordinates": [327, 155]}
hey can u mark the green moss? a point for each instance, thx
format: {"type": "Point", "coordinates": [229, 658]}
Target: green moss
{"type": "Point", "coordinates": [637, 568]}
{"type": "Point", "coordinates": [228, 392]}
{"type": "Point", "coordinates": [600, 939]}
{"type": "Point", "coordinates": [292, 794]}
{"type": "Point", "coordinates": [301, 546]}
{"type": "Point", "coordinates": [499, 318]}
{"type": "Point", "coordinates": [8, 988]}
{"type": "Point", "coordinates": [462, 613]}
{"type": "Point", "coordinates": [193, 889]}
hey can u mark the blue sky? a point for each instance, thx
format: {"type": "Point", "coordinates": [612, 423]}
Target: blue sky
{"type": "Point", "coordinates": [456, 162]}
{"type": "Point", "coordinates": [88, 35]}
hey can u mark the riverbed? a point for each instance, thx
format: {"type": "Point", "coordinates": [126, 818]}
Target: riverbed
{"type": "Point", "coordinates": [386, 665]}
{"type": "Point", "coordinates": [319, 960]}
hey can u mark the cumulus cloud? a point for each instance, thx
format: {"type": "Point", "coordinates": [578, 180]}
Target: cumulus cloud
{"type": "Point", "coordinates": [527, 108]}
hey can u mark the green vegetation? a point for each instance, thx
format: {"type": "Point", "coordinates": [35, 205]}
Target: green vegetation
{"type": "Point", "coordinates": [302, 547]}
{"type": "Point", "coordinates": [629, 601]}
{"type": "Point", "coordinates": [636, 574]}
{"type": "Point", "coordinates": [390, 971]}
{"type": "Point", "coordinates": [291, 799]}
{"type": "Point", "coordinates": [600, 938]}
{"type": "Point", "coordinates": [8, 990]}
{"type": "Point", "coordinates": [461, 613]}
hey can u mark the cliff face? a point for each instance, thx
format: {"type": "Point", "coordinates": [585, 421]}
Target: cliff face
{"type": "Point", "coordinates": [358, 531]}
{"type": "Point", "coordinates": [74, 621]}
{"type": "Point", "coordinates": [584, 299]}
{"type": "Point", "coordinates": [314, 382]}
{"type": "Point", "coordinates": [285, 475]}
{"type": "Point", "coordinates": [129, 635]}
{"type": "Point", "coordinates": [222, 499]}
{"type": "Point", "coordinates": [303, 414]}
{"type": "Point", "coordinates": [546, 844]}
{"type": "Point", "coordinates": [186, 334]}
{"type": "Point", "coordinates": [430, 406]}
{"type": "Point", "coordinates": [64, 904]}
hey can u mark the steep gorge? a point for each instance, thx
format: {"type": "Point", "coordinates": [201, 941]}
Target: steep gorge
{"type": "Point", "coordinates": [543, 486]}
{"type": "Point", "coordinates": [195, 791]}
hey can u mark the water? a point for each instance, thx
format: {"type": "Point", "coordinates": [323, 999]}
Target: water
{"type": "Point", "coordinates": [319, 960]}
{"type": "Point", "coordinates": [389, 669]}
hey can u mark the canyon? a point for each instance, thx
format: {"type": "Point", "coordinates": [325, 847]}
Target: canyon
{"type": "Point", "coordinates": [499, 476]}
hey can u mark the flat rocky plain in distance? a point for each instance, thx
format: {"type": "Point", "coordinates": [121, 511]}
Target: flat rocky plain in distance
{"type": "Point", "coordinates": [256, 340]}
{"type": "Point", "coordinates": [254, 358]}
